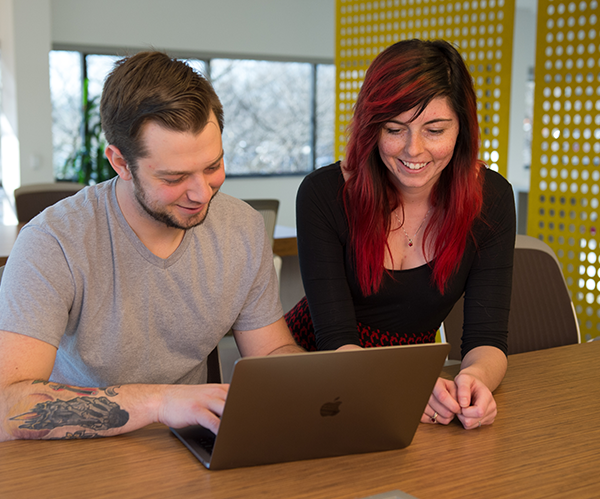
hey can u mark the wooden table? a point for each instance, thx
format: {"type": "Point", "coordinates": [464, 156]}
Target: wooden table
{"type": "Point", "coordinates": [544, 443]}
{"type": "Point", "coordinates": [284, 243]}
{"type": "Point", "coordinates": [285, 246]}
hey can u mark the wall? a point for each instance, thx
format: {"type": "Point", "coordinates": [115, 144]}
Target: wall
{"type": "Point", "coordinates": [281, 29]}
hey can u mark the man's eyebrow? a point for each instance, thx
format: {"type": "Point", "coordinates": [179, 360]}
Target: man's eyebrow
{"type": "Point", "coordinates": [175, 172]}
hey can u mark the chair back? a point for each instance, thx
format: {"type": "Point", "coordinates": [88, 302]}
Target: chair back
{"type": "Point", "coordinates": [32, 199]}
{"type": "Point", "coordinates": [214, 367]}
{"type": "Point", "coordinates": [542, 314]}
{"type": "Point", "coordinates": [268, 208]}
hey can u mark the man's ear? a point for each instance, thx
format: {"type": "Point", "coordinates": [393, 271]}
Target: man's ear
{"type": "Point", "coordinates": [118, 162]}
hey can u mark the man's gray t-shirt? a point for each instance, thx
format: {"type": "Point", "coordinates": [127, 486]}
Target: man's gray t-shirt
{"type": "Point", "coordinates": [79, 278]}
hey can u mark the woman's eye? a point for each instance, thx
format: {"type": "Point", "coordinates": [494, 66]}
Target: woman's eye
{"type": "Point", "coordinates": [393, 131]}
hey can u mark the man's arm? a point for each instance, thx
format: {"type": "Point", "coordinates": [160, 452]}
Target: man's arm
{"type": "Point", "coordinates": [274, 339]}
{"type": "Point", "coordinates": [31, 407]}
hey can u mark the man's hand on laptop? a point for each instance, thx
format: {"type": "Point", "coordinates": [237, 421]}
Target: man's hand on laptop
{"type": "Point", "coordinates": [185, 405]}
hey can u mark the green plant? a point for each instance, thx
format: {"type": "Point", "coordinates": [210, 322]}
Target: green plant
{"type": "Point", "coordinates": [89, 162]}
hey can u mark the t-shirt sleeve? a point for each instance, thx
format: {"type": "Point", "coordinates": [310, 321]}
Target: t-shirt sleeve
{"type": "Point", "coordinates": [37, 288]}
{"type": "Point", "coordinates": [489, 283]}
{"type": "Point", "coordinates": [262, 305]}
{"type": "Point", "coordinates": [322, 231]}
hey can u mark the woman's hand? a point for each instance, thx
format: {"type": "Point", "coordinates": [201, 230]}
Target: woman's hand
{"type": "Point", "coordinates": [442, 405]}
{"type": "Point", "coordinates": [469, 396]}
{"type": "Point", "coordinates": [466, 397]}
{"type": "Point", "coordinates": [476, 401]}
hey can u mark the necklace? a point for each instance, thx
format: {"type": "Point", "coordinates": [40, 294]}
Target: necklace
{"type": "Point", "coordinates": [410, 239]}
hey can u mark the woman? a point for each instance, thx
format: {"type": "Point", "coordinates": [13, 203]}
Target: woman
{"type": "Point", "coordinates": [391, 238]}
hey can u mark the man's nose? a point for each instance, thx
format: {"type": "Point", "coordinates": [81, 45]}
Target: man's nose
{"type": "Point", "coordinates": [199, 190]}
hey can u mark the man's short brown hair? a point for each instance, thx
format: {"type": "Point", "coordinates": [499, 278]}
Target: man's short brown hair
{"type": "Point", "coordinates": [153, 87]}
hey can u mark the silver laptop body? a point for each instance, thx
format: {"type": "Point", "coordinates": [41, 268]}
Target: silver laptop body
{"type": "Point", "coordinates": [319, 404]}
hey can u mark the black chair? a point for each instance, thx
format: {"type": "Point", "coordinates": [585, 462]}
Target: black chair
{"type": "Point", "coordinates": [542, 314]}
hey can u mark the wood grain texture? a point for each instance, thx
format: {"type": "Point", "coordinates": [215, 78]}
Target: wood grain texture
{"type": "Point", "coordinates": [545, 443]}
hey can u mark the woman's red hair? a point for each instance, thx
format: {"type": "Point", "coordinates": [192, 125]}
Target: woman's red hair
{"type": "Point", "coordinates": [409, 75]}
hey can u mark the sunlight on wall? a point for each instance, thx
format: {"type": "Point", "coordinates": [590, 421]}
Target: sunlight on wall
{"type": "Point", "coordinates": [11, 173]}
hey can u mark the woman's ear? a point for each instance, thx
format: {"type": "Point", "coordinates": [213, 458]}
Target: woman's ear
{"type": "Point", "coordinates": [118, 162]}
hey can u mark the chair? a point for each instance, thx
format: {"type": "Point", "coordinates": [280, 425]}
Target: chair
{"type": "Point", "coordinates": [35, 198]}
{"type": "Point", "coordinates": [268, 208]}
{"type": "Point", "coordinates": [213, 365]}
{"type": "Point", "coordinates": [542, 314]}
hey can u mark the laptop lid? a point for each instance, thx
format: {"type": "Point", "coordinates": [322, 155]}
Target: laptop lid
{"type": "Point", "coordinates": [319, 404]}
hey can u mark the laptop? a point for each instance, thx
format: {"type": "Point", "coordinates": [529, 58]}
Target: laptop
{"type": "Point", "coordinates": [319, 404]}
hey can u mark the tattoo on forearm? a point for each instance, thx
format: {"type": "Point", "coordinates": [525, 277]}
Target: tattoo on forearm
{"type": "Point", "coordinates": [57, 387]}
{"type": "Point", "coordinates": [78, 435]}
{"type": "Point", "coordinates": [94, 413]}
{"type": "Point", "coordinates": [111, 391]}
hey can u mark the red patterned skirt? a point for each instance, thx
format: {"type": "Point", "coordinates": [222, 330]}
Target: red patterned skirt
{"type": "Point", "coordinates": [300, 324]}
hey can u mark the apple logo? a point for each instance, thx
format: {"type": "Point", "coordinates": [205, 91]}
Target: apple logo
{"type": "Point", "coordinates": [331, 408]}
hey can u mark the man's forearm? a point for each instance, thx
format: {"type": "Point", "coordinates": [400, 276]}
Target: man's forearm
{"type": "Point", "coordinates": [41, 409]}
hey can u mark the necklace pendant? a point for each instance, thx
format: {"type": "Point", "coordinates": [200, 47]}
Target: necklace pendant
{"type": "Point", "coordinates": [410, 243]}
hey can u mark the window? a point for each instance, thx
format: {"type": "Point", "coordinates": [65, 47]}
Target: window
{"type": "Point", "coordinates": [65, 91]}
{"type": "Point", "coordinates": [279, 116]}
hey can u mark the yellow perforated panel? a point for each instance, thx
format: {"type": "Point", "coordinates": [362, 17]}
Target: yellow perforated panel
{"type": "Point", "coordinates": [564, 194]}
{"type": "Point", "coordinates": [481, 29]}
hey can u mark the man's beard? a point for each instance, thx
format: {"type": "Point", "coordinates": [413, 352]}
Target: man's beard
{"type": "Point", "coordinates": [164, 217]}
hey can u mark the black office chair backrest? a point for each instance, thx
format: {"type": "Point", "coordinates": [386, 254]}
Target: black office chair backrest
{"type": "Point", "coordinates": [35, 198]}
{"type": "Point", "coordinates": [541, 311]}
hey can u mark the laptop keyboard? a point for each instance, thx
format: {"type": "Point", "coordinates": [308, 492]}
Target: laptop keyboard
{"type": "Point", "coordinates": [207, 442]}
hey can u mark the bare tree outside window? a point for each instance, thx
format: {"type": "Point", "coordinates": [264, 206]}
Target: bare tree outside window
{"type": "Point", "coordinates": [275, 114]}
{"type": "Point", "coordinates": [325, 115]}
{"type": "Point", "coordinates": [267, 109]}
{"type": "Point", "coordinates": [98, 67]}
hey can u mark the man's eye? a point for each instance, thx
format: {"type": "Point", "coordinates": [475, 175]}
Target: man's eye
{"type": "Point", "coordinates": [172, 181]}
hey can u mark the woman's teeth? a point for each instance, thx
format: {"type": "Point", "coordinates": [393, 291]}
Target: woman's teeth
{"type": "Point", "coordinates": [413, 166]}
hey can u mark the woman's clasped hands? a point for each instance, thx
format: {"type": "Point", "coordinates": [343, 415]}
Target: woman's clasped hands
{"type": "Point", "coordinates": [467, 398]}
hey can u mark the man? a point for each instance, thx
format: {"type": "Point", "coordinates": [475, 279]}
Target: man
{"type": "Point", "coordinates": [112, 299]}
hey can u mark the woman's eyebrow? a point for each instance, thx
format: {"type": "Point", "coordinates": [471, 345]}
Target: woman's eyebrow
{"type": "Point", "coordinates": [430, 122]}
